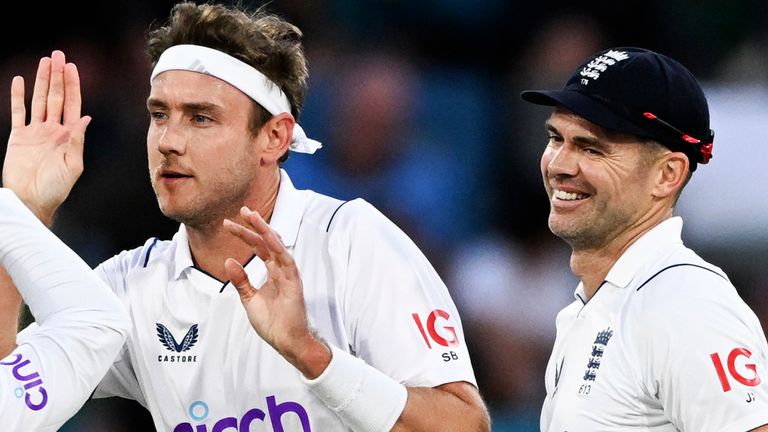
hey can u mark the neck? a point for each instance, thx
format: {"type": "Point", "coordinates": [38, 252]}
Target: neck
{"type": "Point", "coordinates": [591, 265]}
{"type": "Point", "coordinates": [210, 244]}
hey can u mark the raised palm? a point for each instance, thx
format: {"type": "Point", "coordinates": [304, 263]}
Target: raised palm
{"type": "Point", "coordinates": [44, 158]}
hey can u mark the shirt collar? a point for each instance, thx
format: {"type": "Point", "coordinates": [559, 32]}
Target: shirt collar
{"type": "Point", "coordinates": [665, 234]}
{"type": "Point", "coordinates": [648, 245]}
{"type": "Point", "coordinates": [289, 210]}
{"type": "Point", "coordinates": [286, 219]}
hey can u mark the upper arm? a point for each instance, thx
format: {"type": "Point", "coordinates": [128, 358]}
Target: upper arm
{"type": "Point", "coordinates": [451, 406]}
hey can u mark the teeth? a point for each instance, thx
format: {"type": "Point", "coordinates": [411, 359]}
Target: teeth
{"type": "Point", "coordinates": [566, 196]}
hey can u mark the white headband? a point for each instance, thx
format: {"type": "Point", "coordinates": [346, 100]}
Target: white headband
{"type": "Point", "coordinates": [244, 77]}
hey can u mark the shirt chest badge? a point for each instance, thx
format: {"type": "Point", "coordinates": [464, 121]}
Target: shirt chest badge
{"type": "Point", "coordinates": [168, 341]}
{"type": "Point", "coordinates": [595, 357]}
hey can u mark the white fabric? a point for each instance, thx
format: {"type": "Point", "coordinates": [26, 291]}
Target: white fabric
{"type": "Point", "coordinates": [656, 372]}
{"type": "Point", "coordinates": [82, 325]}
{"type": "Point", "coordinates": [363, 397]}
{"type": "Point", "coordinates": [367, 288]}
{"type": "Point", "coordinates": [249, 80]}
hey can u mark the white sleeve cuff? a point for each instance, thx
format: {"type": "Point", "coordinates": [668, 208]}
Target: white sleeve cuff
{"type": "Point", "coordinates": [366, 399]}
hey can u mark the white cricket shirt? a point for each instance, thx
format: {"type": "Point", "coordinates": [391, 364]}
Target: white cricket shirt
{"type": "Point", "coordinates": [82, 325]}
{"type": "Point", "coordinates": [666, 344]}
{"type": "Point", "coordinates": [193, 359]}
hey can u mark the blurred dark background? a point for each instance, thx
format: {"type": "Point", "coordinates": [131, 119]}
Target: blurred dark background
{"type": "Point", "coordinates": [417, 105]}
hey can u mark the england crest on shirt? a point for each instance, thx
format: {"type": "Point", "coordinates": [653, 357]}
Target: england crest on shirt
{"type": "Point", "coordinates": [595, 358]}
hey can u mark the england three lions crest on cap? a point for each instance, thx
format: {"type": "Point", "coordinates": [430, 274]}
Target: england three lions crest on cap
{"type": "Point", "coordinates": [600, 64]}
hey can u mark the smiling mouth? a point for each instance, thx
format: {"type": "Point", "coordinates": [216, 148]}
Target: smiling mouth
{"type": "Point", "coordinates": [568, 196]}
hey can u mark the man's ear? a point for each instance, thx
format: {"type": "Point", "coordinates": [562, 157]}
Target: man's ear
{"type": "Point", "coordinates": [278, 132]}
{"type": "Point", "coordinates": [672, 172]}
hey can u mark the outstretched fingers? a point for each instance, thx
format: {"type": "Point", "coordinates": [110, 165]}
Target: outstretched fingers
{"type": "Point", "coordinates": [55, 105]}
{"type": "Point", "coordinates": [253, 240]}
{"type": "Point", "coordinates": [238, 277]}
{"type": "Point", "coordinates": [72, 100]}
{"type": "Point", "coordinates": [18, 108]}
{"type": "Point", "coordinates": [270, 237]}
{"type": "Point", "coordinates": [40, 92]}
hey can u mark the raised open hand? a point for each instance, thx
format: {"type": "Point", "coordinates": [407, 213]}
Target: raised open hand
{"type": "Point", "coordinates": [276, 310]}
{"type": "Point", "coordinates": [44, 158]}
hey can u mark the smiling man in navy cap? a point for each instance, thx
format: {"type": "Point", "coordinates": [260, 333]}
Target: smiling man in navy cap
{"type": "Point", "coordinates": [657, 339]}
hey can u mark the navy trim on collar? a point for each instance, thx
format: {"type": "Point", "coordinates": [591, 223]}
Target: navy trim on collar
{"type": "Point", "coordinates": [149, 251]}
{"type": "Point", "coordinates": [679, 265]}
{"type": "Point", "coordinates": [227, 282]}
{"type": "Point", "coordinates": [334, 215]}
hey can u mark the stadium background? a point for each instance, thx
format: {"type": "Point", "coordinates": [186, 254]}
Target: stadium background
{"type": "Point", "coordinates": [417, 104]}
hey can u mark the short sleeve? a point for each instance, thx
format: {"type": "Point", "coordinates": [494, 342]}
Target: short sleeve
{"type": "Point", "coordinates": [399, 315]}
{"type": "Point", "coordinates": [707, 354]}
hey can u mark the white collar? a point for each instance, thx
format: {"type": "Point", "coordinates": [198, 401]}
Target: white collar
{"type": "Point", "coordinates": [663, 235]}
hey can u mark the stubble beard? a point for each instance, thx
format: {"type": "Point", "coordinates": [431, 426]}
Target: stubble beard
{"type": "Point", "coordinates": [209, 208]}
{"type": "Point", "coordinates": [591, 231]}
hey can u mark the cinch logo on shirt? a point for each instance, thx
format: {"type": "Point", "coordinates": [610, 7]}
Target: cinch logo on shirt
{"type": "Point", "coordinates": [35, 395]}
{"type": "Point", "coordinates": [198, 412]}
{"type": "Point", "coordinates": [169, 342]}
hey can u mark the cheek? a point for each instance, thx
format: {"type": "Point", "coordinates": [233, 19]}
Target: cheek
{"type": "Point", "coordinates": [152, 136]}
{"type": "Point", "coordinates": [546, 158]}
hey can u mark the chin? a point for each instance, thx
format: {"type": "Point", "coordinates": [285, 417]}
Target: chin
{"type": "Point", "coordinates": [170, 211]}
{"type": "Point", "coordinates": [564, 229]}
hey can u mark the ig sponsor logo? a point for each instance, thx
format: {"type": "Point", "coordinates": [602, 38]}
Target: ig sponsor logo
{"type": "Point", "coordinates": [198, 412]}
{"type": "Point", "coordinates": [438, 331]}
{"type": "Point", "coordinates": [751, 380]}
{"type": "Point", "coordinates": [35, 395]}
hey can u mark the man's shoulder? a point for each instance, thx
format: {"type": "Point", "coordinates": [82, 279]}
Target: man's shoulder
{"type": "Point", "coordinates": [681, 273]}
{"type": "Point", "coordinates": [333, 215]}
{"type": "Point", "coordinates": [682, 288]}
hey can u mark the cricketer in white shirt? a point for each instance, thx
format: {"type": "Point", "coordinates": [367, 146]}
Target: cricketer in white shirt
{"type": "Point", "coordinates": [665, 344]}
{"type": "Point", "coordinates": [81, 325]}
{"type": "Point", "coordinates": [194, 361]}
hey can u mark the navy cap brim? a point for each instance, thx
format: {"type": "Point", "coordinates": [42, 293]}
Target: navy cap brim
{"type": "Point", "coordinates": [587, 107]}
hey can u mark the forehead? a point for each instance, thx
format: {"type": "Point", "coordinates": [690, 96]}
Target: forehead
{"type": "Point", "coordinates": [565, 121]}
{"type": "Point", "coordinates": [179, 86]}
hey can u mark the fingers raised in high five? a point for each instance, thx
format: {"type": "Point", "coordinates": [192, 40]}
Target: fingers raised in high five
{"type": "Point", "coordinates": [44, 157]}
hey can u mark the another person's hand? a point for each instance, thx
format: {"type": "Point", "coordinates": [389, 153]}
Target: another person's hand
{"type": "Point", "coordinates": [44, 158]}
{"type": "Point", "coordinates": [276, 310]}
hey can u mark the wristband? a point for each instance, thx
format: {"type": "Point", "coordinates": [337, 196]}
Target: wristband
{"type": "Point", "coordinates": [366, 399]}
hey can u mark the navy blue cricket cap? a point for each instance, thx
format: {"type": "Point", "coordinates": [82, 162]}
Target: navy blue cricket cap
{"type": "Point", "coordinates": [639, 92]}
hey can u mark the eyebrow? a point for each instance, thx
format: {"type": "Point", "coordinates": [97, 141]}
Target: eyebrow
{"type": "Point", "coordinates": [189, 106]}
{"type": "Point", "coordinates": [579, 139]}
